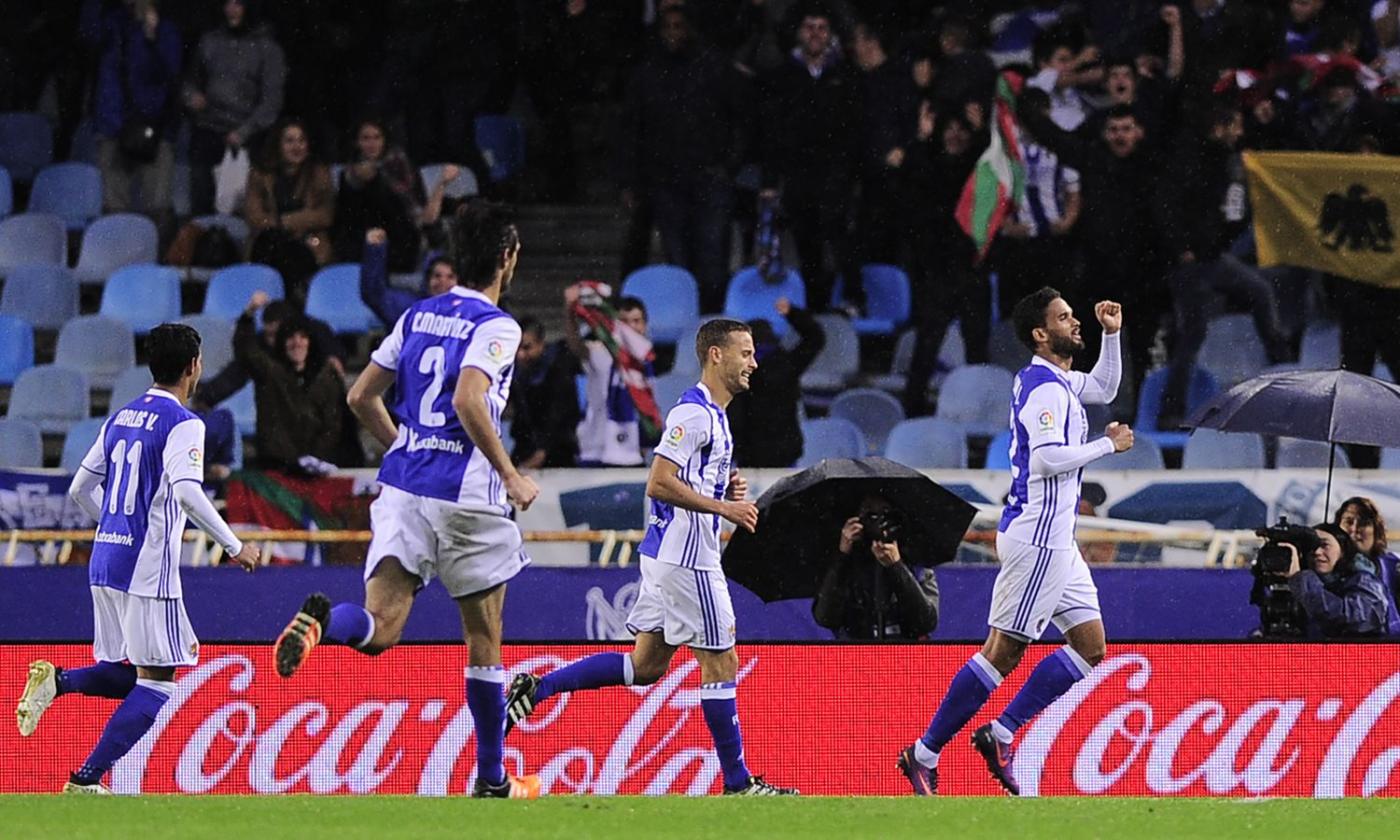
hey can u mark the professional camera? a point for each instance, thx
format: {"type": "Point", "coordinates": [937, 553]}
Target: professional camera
{"type": "Point", "coordinates": [1279, 612]}
{"type": "Point", "coordinates": [882, 525]}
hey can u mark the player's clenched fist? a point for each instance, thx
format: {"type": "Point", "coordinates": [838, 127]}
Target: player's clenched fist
{"type": "Point", "coordinates": [1110, 315]}
{"type": "Point", "coordinates": [521, 490]}
{"type": "Point", "coordinates": [248, 557]}
{"type": "Point", "coordinates": [1122, 436]}
{"type": "Point", "coordinates": [743, 514]}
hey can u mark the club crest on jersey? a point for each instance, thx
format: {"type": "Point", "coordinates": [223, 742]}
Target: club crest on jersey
{"type": "Point", "coordinates": [1046, 420]}
{"type": "Point", "coordinates": [195, 456]}
{"type": "Point", "coordinates": [676, 434]}
{"type": "Point", "coordinates": [495, 350]}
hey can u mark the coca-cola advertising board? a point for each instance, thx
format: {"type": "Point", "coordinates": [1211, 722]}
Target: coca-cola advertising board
{"type": "Point", "coordinates": [1159, 719]}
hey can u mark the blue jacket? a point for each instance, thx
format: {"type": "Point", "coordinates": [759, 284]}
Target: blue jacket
{"type": "Point", "coordinates": [152, 70]}
{"type": "Point", "coordinates": [384, 300]}
{"type": "Point", "coordinates": [1341, 604]}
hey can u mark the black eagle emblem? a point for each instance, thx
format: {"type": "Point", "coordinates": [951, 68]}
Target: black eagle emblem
{"type": "Point", "coordinates": [1356, 221]}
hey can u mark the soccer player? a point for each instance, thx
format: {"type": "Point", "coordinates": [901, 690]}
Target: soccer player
{"type": "Point", "coordinates": [448, 483]}
{"type": "Point", "coordinates": [139, 481]}
{"type": "Point", "coordinates": [1043, 578]}
{"type": "Point", "coordinates": [684, 599]}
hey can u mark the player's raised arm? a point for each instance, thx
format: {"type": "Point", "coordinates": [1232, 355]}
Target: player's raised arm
{"type": "Point", "coordinates": [1101, 385]}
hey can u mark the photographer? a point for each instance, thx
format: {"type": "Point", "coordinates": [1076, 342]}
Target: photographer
{"type": "Point", "coordinates": [1338, 593]}
{"type": "Point", "coordinates": [869, 592]}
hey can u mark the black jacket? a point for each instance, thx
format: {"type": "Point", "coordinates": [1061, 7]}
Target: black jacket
{"type": "Point", "coordinates": [545, 412]}
{"type": "Point", "coordinates": [810, 127]}
{"type": "Point", "coordinates": [1205, 196]}
{"type": "Point", "coordinates": [849, 606]}
{"type": "Point", "coordinates": [764, 420]}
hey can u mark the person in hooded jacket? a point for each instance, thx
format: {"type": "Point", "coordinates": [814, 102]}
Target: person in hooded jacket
{"type": "Point", "coordinates": [764, 419]}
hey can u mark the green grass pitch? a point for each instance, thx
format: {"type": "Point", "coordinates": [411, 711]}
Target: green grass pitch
{"type": "Point", "coordinates": [381, 817]}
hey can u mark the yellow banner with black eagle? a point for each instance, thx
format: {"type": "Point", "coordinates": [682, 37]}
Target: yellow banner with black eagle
{"type": "Point", "coordinates": [1330, 212]}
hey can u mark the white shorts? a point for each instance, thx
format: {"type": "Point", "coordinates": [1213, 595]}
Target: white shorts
{"type": "Point", "coordinates": [1040, 585]}
{"type": "Point", "coordinates": [689, 607]}
{"type": "Point", "coordinates": [148, 632]}
{"type": "Point", "coordinates": [471, 551]}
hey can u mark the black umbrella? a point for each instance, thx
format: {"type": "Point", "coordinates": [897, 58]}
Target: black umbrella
{"type": "Point", "coordinates": [1335, 406]}
{"type": "Point", "coordinates": [800, 519]}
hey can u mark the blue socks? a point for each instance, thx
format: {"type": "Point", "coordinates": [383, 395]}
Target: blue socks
{"type": "Point", "coordinates": [722, 717]}
{"type": "Point", "coordinates": [970, 688]}
{"type": "Point", "coordinates": [596, 671]}
{"type": "Point", "coordinates": [487, 700]}
{"type": "Point", "coordinates": [128, 723]}
{"type": "Point", "coordinates": [350, 624]}
{"type": "Point", "coordinates": [1050, 679]}
{"type": "Point", "coordinates": [105, 679]}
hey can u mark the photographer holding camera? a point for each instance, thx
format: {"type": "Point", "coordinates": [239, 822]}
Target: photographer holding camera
{"type": "Point", "coordinates": [869, 591]}
{"type": "Point", "coordinates": [1331, 588]}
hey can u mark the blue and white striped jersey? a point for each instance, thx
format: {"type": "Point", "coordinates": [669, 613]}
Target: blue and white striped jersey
{"type": "Point", "coordinates": [697, 440]}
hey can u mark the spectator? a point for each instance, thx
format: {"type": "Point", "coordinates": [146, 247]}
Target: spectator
{"type": "Point", "coordinates": [889, 115]}
{"type": "Point", "coordinates": [1340, 115]}
{"type": "Point", "coordinates": [1220, 35]}
{"type": "Point", "coordinates": [134, 106]}
{"type": "Point", "coordinates": [387, 302]}
{"type": "Point", "coordinates": [964, 74]}
{"type": "Point", "coordinates": [221, 449]}
{"type": "Point", "coordinates": [1362, 521]}
{"type": "Point", "coordinates": [809, 120]}
{"type": "Point", "coordinates": [381, 188]}
{"type": "Point", "coordinates": [1304, 26]}
{"type": "Point", "coordinates": [235, 375]}
{"type": "Point", "coordinates": [1385, 14]}
{"type": "Point", "coordinates": [302, 415]}
{"type": "Point", "coordinates": [1338, 590]}
{"type": "Point", "coordinates": [870, 591]}
{"type": "Point", "coordinates": [1143, 95]}
{"type": "Point", "coordinates": [234, 92]}
{"type": "Point", "coordinates": [1062, 72]}
{"type": "Point", "coordinates": [609, 435]}
{"type": "Point", "coordinates": [763, 420]}
{"type": "Point", "coordinates": [289, 208]}
{"type": "Point", "coordinates": [543, 401]}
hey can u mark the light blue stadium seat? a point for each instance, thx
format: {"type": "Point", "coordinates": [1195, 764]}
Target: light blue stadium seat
{"type": "Point", "coordinates": [501, 140]}
{"type": "Point", "coordinates": [1005, 350]}
{"type": "Point", "coordinates": [951, 355]}
{"type": "Point", "coordinates": [1232, 351]}
{"type": "Point", "coordinates": [750, 297]}
{"type": "Point", "coordinates": [77, 443]}
{"type": "Point", "coordinates": [999, 452]}
{"type": "Point", "coordinates": [231, 288]}
{"type": "Point", "coordinates": [32, 238]}
{"type": "Point", "coordinates": [334, 297]}
{"type": "Point", "coordinates": [16, 348]}
{"type": "Point", "coordinates": [686, 361]}
{"type": "Point", "coordinates": [839, 360]}
{"type": "Point", "coordinates": [142, 296]}
{"type": "Point", "coordinates": [465, 186]}
{"type": "Point", "coordinates": [99, 346]}
{"type": "Point", "coordinates": [1209, 449]}
{"type": "Point", "coordinates": [872, 411]}
{"type": "Point", "coordinates": [114, 241]}
{"type": "Point", "coordinates": [53, 397]}
{"type": "Point", "coordinates": [672, 298]}
{"type": "Point", "coordinates": [927, 443]}
{"type": "Point", "coordinates": [44, 295]}
{"type": "Point", "coordinates": [244, 409]}
{"type": "Point", "coordinates": [71, 191]}
{"type": "Point", "coordinates": [21, 444]}
{"type": "Point", "coordinates": [1145, 455]}
{"type": "Point", "coordinates": [1390, 459]}
{"type": "Point", "coordinates": [668, 388]}
{"type": "Point", "coordinates": [829, 437]}
{"type": "Point", "coordinates": [129, 384]}
{"type": "Point", "coordinates": [215, 340]}
{"type": "Point", "coordinates": [1149, 408]}
{"type": "Point", "coordinates": [976, 397]}
{"type": "Point", "coordinates": [887, 300]}
{"type": "Point", "coordinates": [26, 144]}
{"type": "Point", "coordinates": [1303, 454]}
{"type": "Point", "coordinates": [7, 193]}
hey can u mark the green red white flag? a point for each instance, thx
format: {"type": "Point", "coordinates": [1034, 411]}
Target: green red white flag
{"type": "Point", "coordinates": [999, 178]}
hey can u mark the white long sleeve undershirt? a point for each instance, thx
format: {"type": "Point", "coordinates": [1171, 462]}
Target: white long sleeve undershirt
{"type": "Point", "coordinates": [86, 490]}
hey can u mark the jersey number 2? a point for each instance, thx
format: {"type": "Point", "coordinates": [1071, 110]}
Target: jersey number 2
{"type": "Point", "coordinates": [433, 361]}
{"type": "Point", "coordinates": [122, 457]}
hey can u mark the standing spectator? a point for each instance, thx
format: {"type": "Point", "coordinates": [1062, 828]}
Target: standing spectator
{"type": "Point", "coordinates": [1341, 116]}
{"type": "Point", "coordinates": [289, 208]}
{"type": "Point", "coordinates": [1061, 73]}
{"type": "Point", "coordinates": [609, 435]}
{"type": "Point", "coordinates": [1124, 85]}
{"type": "Point", "coordinates": [138, 79]}
{"type": "Point", "coordinates": [387, 302]}
{"type": "Point", "coordinates": [543, 401]}
{"type": "Point", "coordinates": [234, 93]}
{"type": "Point", "coordinates": [229, 381]}
{"type": "Point", "coordinates": [381, 188]}
{"type": "Point", "coordinates": [681, 142]}
{"type": "Point", "coordinates": [763, 420]}
{"type": "Point", "coordinates": [300, 397]}
{"type": "Point", "coordinates": [809, 120]}
{"type": "Point", "coordinates": [889, 114]}
{"type": "Point", "coordinates": [964, 74]}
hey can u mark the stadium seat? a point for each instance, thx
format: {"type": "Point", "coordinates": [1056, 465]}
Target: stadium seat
{"type": "Point", "coordinates": [244, 409]}
{"type": "Point", "coordinates": [1149, 408]}
{"type": "Point", "coordinates": [1145, 455]}
{"type": "Point", "coordinates": [829, 437]}
{"type": "Point", "coordinates": [142, 296]}
{"type": "Point", "coordinates": [464, 186]}
{"type": "Point", "coordinates": [77, 443]}
{"type": "Point", "coordinates": [686, 361]}
{"type": "Point", "coordinates": [1322, 347]}
{"type": "Point", "coordinates": [98, 346]}
{"type": "Point", "coordinates": [501, 140]}
{"type": "Point", "coordinates": [26, 144]}
{"type": "Point", "coordinates": [216, 341]}
{"type": "Point", "coordinates": [16, 348]}
{"type": "Point", "coordinates": [71, 191]}
{"type": "Point", "coordinates": [887, 300]}
{"type": "Point", "coordinates": [114, 241]}
{"type": "Point", "coordinates": [231, 288]}
{"type": "Point", "coordinates": [839, 360]}
{"type": "Point", "coordinates": [1209, 449]}
{"type": "Point", "coordinates": [1308, 454]}
{"type": "Point", "coordinates": [130, 384]}
{"type": "Point", "coordinates": [927, 443]}
{"type": "Point", "coordinates": [977, 397]}
{"type": "Point", "coordinates": [950, 356]}
{"type": "Point", "coordinates": [672, 297]}
{"type": "Point", "coordinates": [7, 193]}
{"type": "Point", "coordinates": [32, 238]}
{"type": "Point", "coordinates": [1232, 351]}
{"type": "Point", "coordinates": [53, 397]}
{"type": "Point", "coordinates": [236, 227]}
{"type": "Point", "coordinates": [872, 411]}
{"type": "Point", "coordinates": [334, 297]}
{"type": "Point", "coordinates": [1390, 459]}
{"type": "Point", "coordinates": [999, 452]}
{"type": "Point", "coordinates": [668, 388]}
{"type": "Point", "coordinates": [1004, 349]}
{"type": "Point", "coordinates": [750, 297]}
{"type": "Point", "coordinates": [44, 295]}
{"type": "Point", "coordinates": [21, 444]}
